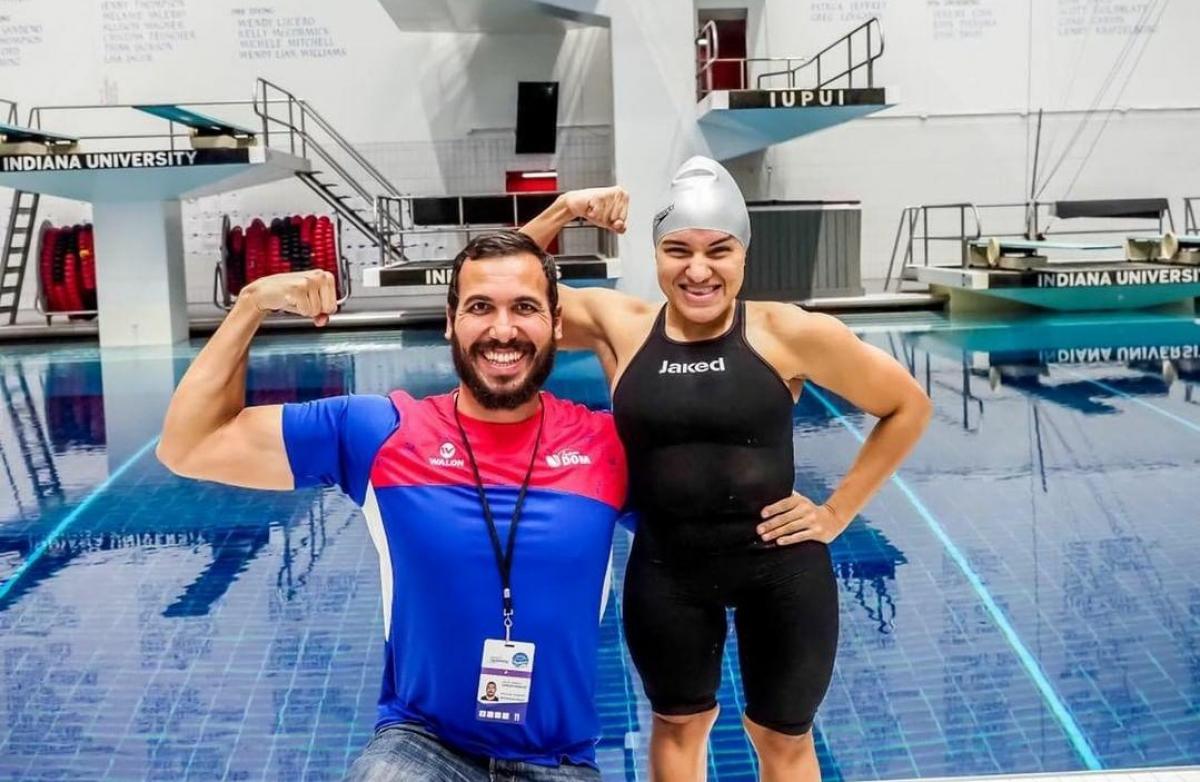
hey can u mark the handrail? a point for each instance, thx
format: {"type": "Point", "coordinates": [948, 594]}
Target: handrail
{"type": "Point", "coordinates": [745, 63]}
{"type": "Point", "coordinates": [12, 118]}
{"type": "Point", "coordinates": [349, 149]}
{"type": "Point", "coordinates": [265, 114]}
{"type": "Point", "coordinates": [851, 66]}
{"type": "Point", "coordinates": [709, 40]}
{"type": "Point", "coordinates": [303, 112]}
{"type": "Point", "coordinates": [913, 216]}
{"type": "Point", "coordinates": [1190, 224]}
{"type": "Point", "coordinates": [306, 112]}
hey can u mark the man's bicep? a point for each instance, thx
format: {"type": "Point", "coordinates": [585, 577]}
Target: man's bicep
{"type": "Point", "coordinates": [247, 451]}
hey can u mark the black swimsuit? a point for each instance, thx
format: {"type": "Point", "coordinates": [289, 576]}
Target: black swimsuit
{"type": "Point", "coordinates": [707, 428]}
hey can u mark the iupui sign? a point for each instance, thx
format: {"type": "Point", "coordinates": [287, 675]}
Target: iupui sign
{"type": "Point", "coordinates": [800, 99]}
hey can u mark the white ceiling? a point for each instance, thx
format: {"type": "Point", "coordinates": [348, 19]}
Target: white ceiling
{"type": "Point", "coordinates": [473, 16]}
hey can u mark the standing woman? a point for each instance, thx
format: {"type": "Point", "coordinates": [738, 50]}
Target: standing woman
{"type": "Point", "coordinates": [703, 389]}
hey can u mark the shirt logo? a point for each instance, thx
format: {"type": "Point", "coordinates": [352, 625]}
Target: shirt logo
{"type": "Point", "coordinates": [567, 457]}
{"type": "Point", "coordinates": [445, 457]}
{"type": "Point", "coordinates": [697, 368]}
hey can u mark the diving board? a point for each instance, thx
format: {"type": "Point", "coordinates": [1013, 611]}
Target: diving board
{"type": "Point", "coordinates": [136, 199]}
{"type": "Point", "coordinates": [207, 132]}
{"type": "Point", "coordinates": [1171, 247]}
{"type": "Point", "coordinates": [15, 140]}
{"type": "Point", "coordinates": [1017, 254]}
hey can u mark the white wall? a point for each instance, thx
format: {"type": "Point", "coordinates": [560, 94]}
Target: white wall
{"type": "Point", "coordinates": [653, 115]}
{"type": "Point", "coordinates": [434, 111]}
{"type": "Point", "coordinates": [968, 77]}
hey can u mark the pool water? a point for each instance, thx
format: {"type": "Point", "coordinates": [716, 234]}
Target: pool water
{"type": "Point", "coordinates": [1024, 596]}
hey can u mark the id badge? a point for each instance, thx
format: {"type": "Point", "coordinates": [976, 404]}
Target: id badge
{"type": "Point", "coordinates": [505, 677]}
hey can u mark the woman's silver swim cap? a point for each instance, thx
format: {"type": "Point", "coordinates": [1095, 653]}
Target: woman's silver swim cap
{"type": "Point", "coordinates": [704, 195]}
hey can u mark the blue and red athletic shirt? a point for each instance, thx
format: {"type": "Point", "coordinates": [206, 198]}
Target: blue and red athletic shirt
{"type": "Point", "coordinates": [403, 461]}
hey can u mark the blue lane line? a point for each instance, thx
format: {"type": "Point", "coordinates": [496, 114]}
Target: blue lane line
{"type": "Point", "coordinates": [1136, 400]}
{"type": "Point", "coordinates": [1030, 663]}
{"type": "Point", "coordinates": [69, 519]}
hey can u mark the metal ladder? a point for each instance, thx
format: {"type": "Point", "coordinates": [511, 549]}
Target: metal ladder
{"type": "Point", "coordinates": [18, 240]}
{"type": "Point", "coordinates": [31, 435]}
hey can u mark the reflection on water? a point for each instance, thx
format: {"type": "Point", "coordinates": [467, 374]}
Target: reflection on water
{"type": "Point", "coordinates": [176, 629]}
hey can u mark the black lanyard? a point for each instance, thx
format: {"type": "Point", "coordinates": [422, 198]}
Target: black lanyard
{"type": "Point", "coordinates": [504, 560]}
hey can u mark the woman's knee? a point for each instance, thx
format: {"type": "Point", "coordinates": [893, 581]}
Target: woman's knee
{"type": "Point", "coordinates": [685, 726]}
{"type": "Point", "coordinates": [778, 744]}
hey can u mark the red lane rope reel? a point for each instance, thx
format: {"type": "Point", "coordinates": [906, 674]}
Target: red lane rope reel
{"type": "Point", "coordinates": [87, 260]}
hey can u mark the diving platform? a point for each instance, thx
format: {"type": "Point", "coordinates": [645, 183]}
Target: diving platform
{"type": "Point", "coordinates": [135, 183]}
{"type": "Point", "coordinates": [433, 276]}
{"type": "Point", "coordinates": [1094, 268]}
{"type": "Point", "coordinates": [206, 132]}
{"type": "Point", "coordinates": [746, 104]}
{"type": "Point", "coordinates": [1068, 287]}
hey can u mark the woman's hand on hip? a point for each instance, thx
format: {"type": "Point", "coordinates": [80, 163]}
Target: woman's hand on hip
{"type": "Point", "coordinates": [797, 518]}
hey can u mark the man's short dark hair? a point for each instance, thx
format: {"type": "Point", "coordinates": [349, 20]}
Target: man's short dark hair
{"type": "Point", "coordinates": [502, 244]}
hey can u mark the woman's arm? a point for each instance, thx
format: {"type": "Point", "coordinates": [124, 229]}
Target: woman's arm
{"type": "Point", "coordinates": [829, 354]}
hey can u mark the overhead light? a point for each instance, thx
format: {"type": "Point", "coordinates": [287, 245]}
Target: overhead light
{"type": "Point", "coordinates": [539, 174]}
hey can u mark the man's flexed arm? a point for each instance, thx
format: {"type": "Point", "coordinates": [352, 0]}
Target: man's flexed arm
{"type": "Point", "coordinates": [209, 433]}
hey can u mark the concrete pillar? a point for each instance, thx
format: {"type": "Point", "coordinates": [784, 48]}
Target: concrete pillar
{"type": "Point", "coordinates": [140, 285]}
{"type": "Point", "coordinates": [138, 385]}
{"type": "Point", "coordinates": [654, 113]}
{"type": "Point", "coordinates": [654, 120]}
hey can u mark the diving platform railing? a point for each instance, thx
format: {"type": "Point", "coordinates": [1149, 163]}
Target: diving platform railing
{"type": "Point", "coordinates": [820, 71]}
{"type": "Point", "coordinates": [960, 225]}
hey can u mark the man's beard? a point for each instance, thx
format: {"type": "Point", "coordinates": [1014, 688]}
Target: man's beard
{"type": "Point", "coordinates": [509, 398]}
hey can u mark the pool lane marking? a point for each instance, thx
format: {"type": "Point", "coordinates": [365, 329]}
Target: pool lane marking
{"type": "Point", "coordinates": [1136, 400]}
{"type": "Point", "coordinates": [70, 519]}
{"type": "Point", "coordinates": [1060, 710]}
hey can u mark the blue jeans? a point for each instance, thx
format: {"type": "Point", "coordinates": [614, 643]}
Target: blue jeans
{"type": "Point", "coordinates": [408, 753]}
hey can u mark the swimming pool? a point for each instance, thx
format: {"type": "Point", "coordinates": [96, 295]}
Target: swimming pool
{"type": "Point", "coordinates": [1023, 597]}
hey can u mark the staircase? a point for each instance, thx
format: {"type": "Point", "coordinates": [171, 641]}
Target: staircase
{"type": "Point", "coordinates": [18, 240]}
{"type": "Point", "coordinates": [347, 181]}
